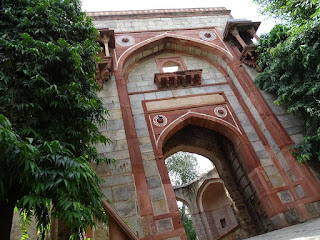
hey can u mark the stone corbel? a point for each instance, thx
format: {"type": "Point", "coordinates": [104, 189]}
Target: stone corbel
{"type": "Point", "coordinates": [253, 33]}
{"type": "Point", "coordinates": [236, 34]}
{"type": "Point", "coordinates": [104, 68]}
{"type": "Point", "coordinates": [105, 39]}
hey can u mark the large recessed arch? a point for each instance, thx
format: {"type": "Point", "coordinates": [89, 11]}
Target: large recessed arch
{"type": "Point", "coordinates": [148, 48]}
{"type": "Point", "coordinates": [231, 153]}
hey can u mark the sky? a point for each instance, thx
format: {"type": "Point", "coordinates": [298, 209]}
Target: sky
{"type": "Point", "coordinates": [239, 8]}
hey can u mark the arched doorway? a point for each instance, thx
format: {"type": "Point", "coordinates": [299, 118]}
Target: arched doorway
{"type": "Point", "coordinates": [205, 138]}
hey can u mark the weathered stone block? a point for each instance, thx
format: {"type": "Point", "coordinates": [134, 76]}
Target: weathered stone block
{"type": "Point", "coordinates": [156, 193]}
{"type": "Point", "coordinates": [146, 147]}
{"type": "Point", "coordinates": [144, 140]}
{"type": "Point", "coordinates": [150, 168]}
{"type": "Point", "coordinates": [116, 180]}
{"type": "Point", "coordinates": [109, 147]}
{"type": "Point", "coordinates": [258, 146]}
{"type": "Point", "coordinates": [137, 111]}
{"type": "Point", "coordinates": [135, 224]}
{"type": "Point", "coordinates": [279, 221]}
{"type": "Point", "coordinates": [107, 100]}
{"type": "Point", "coordinates": [114, 114]}
{"type": "Point", "coordinates": [283, 162]}
{"type": "Point", "coordinates": [121, 145]}
{"type": "Point", "coordinates": [295, 130]}
{"type": "Point", "coordinates": [291, 175]}
{"type": "Point", "coordinates": [198, 90]}
{"type": "Point", "coordinates": [123, 192]}
{"type": "Point", "coordinates": [160, 207]}
{"type": "Point", "coordinates": [148, 155]}
{"type": "Point", "coordinates": [111, 106]}
{"type": "Point", "coordinates": [285, 196]}
{"type": "Point", "coordinates": [271, 170]}
{"type": "Point", "coordinates": [107, 192]}
{"type": "Point", "coordinates": [243, 119]}
{"type": "Point", "coordinates": [292, 216]}
{"type": "Point", "coordinates": [269, 137]}
{"type": "Point", "coordinates": [297, 138]}
{"type": "Point", "coordinates": [300, 191]}
{"type": "Point", "coordinates": [101, 232]}
{"type": "Point", "coordinates": [181, 92]}
{"type": "Point", "coordinates": [142, 132]}
{"type": "Point", "coordinates": [148, 96]}
{"type": "Point", "coordinates": [154, 182]}
{"type": "Point", "coordinates": [140, 121]}
{"type": "Point", "coordinates": [311, 209]}
{"type": "Point", "coordinates": [276, 181]}
{"type": "Point", "coordinates": [126, 208]}
{"type": "Point", "coordinates": [317, 206]}
{"type": "Point", "coordinates": [164, 94]}
{"type": "Point", "coordinates": [149, 88]}
{"type": "Point", "coordinates": [102, 169]}
{"type": "Point", "coordinates": [115, 124]}
{"type": "Point", "coordinates": [119, 155]}
{"type": "Point", "coordinates": [266, 162]}
{"type": "Point", "coordinates": [115, 135]}
{"type": "Point", "coordinates": [164, 225]}
{"type": "Point", "coordinates": [136, 98]}
{"type": "Point", "coordinates": [120, 167]}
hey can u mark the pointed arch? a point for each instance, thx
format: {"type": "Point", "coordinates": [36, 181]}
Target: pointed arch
{"type": "Point", "coordinates": [149, 44]}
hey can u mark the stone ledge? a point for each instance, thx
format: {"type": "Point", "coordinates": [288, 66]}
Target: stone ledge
{"type": "Point", "coordinates": [178, 79]}
{"type": "Point", "coordinates": [158, 13]}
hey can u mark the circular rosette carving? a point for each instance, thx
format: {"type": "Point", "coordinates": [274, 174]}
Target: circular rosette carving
{"type": "Point", "coordinates": [125, 40]}
{"type": "Point", "coordinates": [207, 35]}
{"type": "Point", "coordinates": [221, 112]}
{"type": "Point", "coordinates": [160, 120]}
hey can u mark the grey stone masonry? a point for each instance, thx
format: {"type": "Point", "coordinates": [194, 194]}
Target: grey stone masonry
{"type": "Point", "coordinates": [149, 20]}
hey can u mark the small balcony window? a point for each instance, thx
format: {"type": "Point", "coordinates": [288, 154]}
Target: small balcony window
{"type": "Point", "coordinates": [169, 67]}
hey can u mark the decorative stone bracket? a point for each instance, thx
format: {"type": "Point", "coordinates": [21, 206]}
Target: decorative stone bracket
{"type": "Point", "coordinates": [240, 32]}
{"type": "Point", "coordinates": [179, 78]}
{"type": "Point", "coordinates": [249, 56]}
{"type": "Point", "coordinates": [104, 68]}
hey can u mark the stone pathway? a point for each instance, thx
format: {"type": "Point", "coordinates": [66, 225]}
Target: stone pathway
{"type": "Point", "coordinates": [304, 231]}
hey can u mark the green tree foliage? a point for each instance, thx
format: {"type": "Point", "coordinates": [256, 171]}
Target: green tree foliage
{"type": "Point", "coordinates": [294, 11]}
{"type": "Point", "coordinates": [290, 59]}
{"type": "Point", "coordinates": [183, 167]}
{"type": "Point", "coordinates": [48, 97]}
{"type": "Point", "coordinates": [188, 224]}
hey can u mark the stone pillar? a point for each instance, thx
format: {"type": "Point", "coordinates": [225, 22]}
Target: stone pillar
{"type": "Point", "coordinates": [236, 34]}
{"type": "Point", "coordinates": [252, 32]}
{"type": "Point", "coordinates": [105, 39]}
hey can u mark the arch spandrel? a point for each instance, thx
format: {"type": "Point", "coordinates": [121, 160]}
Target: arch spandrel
{"type": "Point", "coordinates": [176, 43]}
{"type": "Point", "coordinates": [217, 125]}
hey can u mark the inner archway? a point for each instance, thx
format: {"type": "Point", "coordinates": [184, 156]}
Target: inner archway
{"type": "Point", "coordinates": [185, 168]}
{"type": "Point", "coordinates": [249, 214]}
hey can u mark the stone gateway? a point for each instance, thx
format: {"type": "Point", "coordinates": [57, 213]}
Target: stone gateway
{"type": "Point", "coordinates": [182, 80]}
